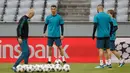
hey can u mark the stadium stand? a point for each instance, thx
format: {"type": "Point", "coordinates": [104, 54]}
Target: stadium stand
{"type": "Point", "coordinates": [71, 10]}
{"type": "Point", "coordinates": [74, 10]}
{"type": "Point", "coordinates": [122, 10]}
{"type": "Point", "coordinates": [109, 4]}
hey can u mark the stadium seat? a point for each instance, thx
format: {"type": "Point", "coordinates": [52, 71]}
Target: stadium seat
{"type": "Point", "coordinates": [109, 4]}
{"type": "Point", "coordinates": [36, 18]}
{"type": "Point", "coordinates": [123, 3]}
{"type": "Point", "coordinates": [38, 11]}
{"type": "Point", "coordinates": [38, 3]}
{"type": "Point", "coordinates": [91, 17]}
{"type": "Point", "coordinates": [25, 4]}
{"type": "Point", "coordinates": [122, 18]}
{"type": "Point", "coordinates": [23, 11]}
{"type": "Point", "coordinates": [1, 11]}
{"type": "Point", "coordinates": [19, 16]}
{"type": "Point", "coordinates": [106, 9]}
{"type": "Point", "coordinates": [12, 3]}
{"type": "Point", "coordinates": [93, 11]}
{"type": "Point", "coordinates": [47, 11]}
{"type": "Point", "coordinates": [122, 11]}
{"type": "Point", "coordinates": [10, 11]}
{"type": "Point", "coordinates": [2, 3]}
{"type": "Point", "coordinates": [0, 17]}
{"type": "Point", "coordinates": [51, 2]}
{"type": "Point", "coordinates": [9, 18]}
{"type": "Point", "coordinates": [95, 3]}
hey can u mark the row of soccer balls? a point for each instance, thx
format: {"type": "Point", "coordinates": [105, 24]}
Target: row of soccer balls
{"type": "Point", "coordinates": [43, 68]}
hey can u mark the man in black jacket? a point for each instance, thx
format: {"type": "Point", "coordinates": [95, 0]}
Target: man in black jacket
{"type": "Point", "coordinates": [22, 36]}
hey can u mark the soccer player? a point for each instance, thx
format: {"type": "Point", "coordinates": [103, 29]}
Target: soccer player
{"type": "Point", "coordinates": [54, 21]}
{"type": "Point", "coordinates": [102, 23]}
{"type": "Point", "coordinates": [22, 37]}
{"type": "Point", "coordinates": [113, 38]}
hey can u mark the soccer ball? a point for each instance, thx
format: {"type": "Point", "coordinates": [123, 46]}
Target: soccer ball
{"type": "Point", "coordinates": [58, 61]}
{"type": "Point", "coordinates": [124, 49]}
{"type": "Point", "coordinates": [29, 68]}
{"type": "Point", "coordinates": [52, 67]}
{"type": "Point", "coordinates": [46, 68]}
{"type": "Point", "coordinates": [42, 67]}
{"type": "Point", "coordinates": [25, 67]}
{"type": "Point", "coordinates": [58, 67]}
{"type": "Point", "coordinates": [19, 68]}
{"type": "Point", "coordinates": [66, 68]}
{"type": "Point", "coordinates": [38, 68]}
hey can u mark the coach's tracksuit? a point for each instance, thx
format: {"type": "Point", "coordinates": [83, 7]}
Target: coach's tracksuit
{"type": "Point", "coordinates": [22, 31]}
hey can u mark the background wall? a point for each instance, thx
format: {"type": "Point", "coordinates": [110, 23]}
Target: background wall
{"type": "Point", "coordinates": [71, 29]}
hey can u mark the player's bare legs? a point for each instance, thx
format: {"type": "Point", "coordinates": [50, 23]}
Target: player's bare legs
{"type": "Point", "coordinates": [62, 53]}
{"type": "Point", "coordinates": [109, 57]}
{"type": "Point", "coordinates": [49, 54]}
{"type": "Point", "coordinates": [106, 58]}
{"type": "Point", "coordinates": [116, 54]}
{"type": "Point", "coordinates": [121, 61]}
{"type": "Point", "coordinates": [101, 56]}
{"type": "Point", "coordinates": [101, 51]}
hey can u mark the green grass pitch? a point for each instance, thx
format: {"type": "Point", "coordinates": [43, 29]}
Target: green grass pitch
{"type": "Point", "coordinates": [78, 68]}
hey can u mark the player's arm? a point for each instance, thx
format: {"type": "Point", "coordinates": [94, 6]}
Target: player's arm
{"type": "Point", "coordinates": [45, 28]}
{"type": "Point", "coordinates": [94, 27]}
{"type": "Point", "coordinates": [62, 29]}
{"type": "Point", "coordinates": [111, 28]}
{"type": "Point", "coordinates": [94, 30]}
{"type": "Point", "coordinates": [115, 26]}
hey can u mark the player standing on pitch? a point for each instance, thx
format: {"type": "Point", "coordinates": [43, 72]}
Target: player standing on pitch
{"type": "Point", "coordinates": [22, 37]}
{"type": "Point", "coordinates": [113, 38]}
{"type": "Point", "coordinates": [102, 23]}
{"type": "Point", "coordinates": [54, 22]}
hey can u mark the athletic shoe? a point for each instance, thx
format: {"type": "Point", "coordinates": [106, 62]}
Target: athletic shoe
{"type": "Point", "coordinates": [100, 66]}
{"type": "Point", "coordinates": [105, 65]}
{"type": "Point", "coordinates": [121, 64]}
{"type": "Point", "coordinates": [14, 69]}
{"type": "Point", "coordinates": [48, 62]}
{"type": "Point", "coordinates": [109, 66]}
{"type": "Point", "coordinates": [64, 62]}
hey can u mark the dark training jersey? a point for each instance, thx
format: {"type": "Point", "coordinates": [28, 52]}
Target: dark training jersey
{"type": "Point", "coordinates": [22, 29]}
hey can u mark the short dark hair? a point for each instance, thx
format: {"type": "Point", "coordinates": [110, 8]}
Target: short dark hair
{"type": "Point", "coordinates": [53, 6]}
{"type": "Point", "coordinates": [101, 5]}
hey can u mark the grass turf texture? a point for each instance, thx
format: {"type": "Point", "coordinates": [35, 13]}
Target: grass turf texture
{"type": "Point", "coordinates": [78, 68]}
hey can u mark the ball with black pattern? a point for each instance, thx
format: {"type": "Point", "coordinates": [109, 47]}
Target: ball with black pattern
{"type": "Point", "coordinates": [124, 49]}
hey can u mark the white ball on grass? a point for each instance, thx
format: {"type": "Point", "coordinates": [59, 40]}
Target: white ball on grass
{"type": "Point", "coordinates": [52, 67]}
{"type": "Point", "coordinates": [30, 68]}
{"type": "Point", "coordinates": [42, 67]}
{"type": "Point", "coordinates": [25, 67]}
{"type": "Point", "coordinates": [58, 67]}
{"type": "Point", "coordinates": [19, 68]}
{"type": "Point", "coordinates": [66, 67]}
{"type": "Point", "coordinates": [46, 68]}
{"type": "Point", "coordinates": [58, 61]}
